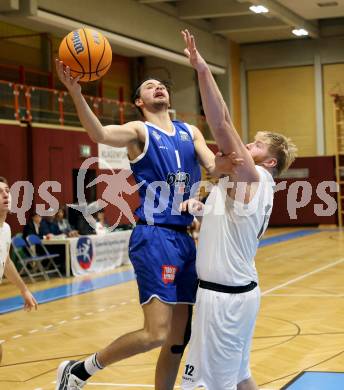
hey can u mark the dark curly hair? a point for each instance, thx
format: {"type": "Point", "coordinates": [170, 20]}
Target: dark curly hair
{"type": "Point", "coordinates": [137, 90]}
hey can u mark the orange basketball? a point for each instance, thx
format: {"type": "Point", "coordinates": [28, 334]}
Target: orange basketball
{"type": "Point", "coordinates": [87, 52]}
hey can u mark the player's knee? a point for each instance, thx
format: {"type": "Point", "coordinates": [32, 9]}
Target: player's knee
{"type": "Point", "coordinates": [160, 335]}
{"type": "Point", "coordinates": [157, 337]}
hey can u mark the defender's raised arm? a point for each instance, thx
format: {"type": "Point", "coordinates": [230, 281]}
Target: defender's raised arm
{"type": "Point", "coordinates": [216, 111]}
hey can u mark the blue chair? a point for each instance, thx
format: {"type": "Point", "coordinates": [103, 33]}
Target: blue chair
{"type": "Point", "coordinates": [51, 266]}
{"type": "Point", "coordinates": [30, 264]}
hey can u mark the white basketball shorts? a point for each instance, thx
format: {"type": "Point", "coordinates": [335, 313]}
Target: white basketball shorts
{"type": "Point", "coordinates": [221, 336]}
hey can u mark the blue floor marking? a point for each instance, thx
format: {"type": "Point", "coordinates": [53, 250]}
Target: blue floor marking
{"type": "Point", "coordinates": [80, 287]}
{"type": "Point", "coordinates": [317, 381]}
{"type": "Point", "coordinates": [68, 290]}
{"type": "Point", "coordinates": [287, 237]}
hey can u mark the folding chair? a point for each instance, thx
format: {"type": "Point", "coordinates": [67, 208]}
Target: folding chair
{"type": "Point", "coordinates": [26, 259]}
{"type": "Point", "coordinates": [32, 239]}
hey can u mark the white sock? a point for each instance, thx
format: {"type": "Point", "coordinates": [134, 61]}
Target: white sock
{"type": "Point", "coordinates": [92, 365]}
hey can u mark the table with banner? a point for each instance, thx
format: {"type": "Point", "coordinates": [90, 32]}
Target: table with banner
{"type": "Point", "coordinates": [94, 253]}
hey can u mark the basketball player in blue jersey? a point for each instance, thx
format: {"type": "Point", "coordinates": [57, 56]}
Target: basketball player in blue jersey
{"type": "Point", "coordinates": [161, 251]}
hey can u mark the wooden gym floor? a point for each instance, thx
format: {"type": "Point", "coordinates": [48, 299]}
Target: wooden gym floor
{"type": "Point", "coordinates": [300, 325]}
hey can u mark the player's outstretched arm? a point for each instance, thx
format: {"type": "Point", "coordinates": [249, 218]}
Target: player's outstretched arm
{"type": "Point", "coordinates": [193, 206]}
{"type": "Point", "coordinates": [226, 165]}
{"type": "Point", "coordinates": [217, 113]}
{"type": "Point", "coordinates": [12, 275]}
{"type": "Point", "coordinates": [113, 135]}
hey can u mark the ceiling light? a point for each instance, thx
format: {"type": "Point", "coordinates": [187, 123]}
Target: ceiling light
{"type": "Point", "coordinates": [300, 32]}
{"type": "Point", "coordinates": [259, 9]}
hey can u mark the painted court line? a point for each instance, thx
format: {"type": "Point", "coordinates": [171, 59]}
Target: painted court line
{"type": "Point", "coordinates": [58, 323]}
{"type": "Point", "coordinates": [49, 326]}
{"type": "Point", "coordinates": [301, 277]}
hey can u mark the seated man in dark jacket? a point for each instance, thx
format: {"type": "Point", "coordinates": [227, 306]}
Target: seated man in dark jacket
{"type": "Point", "coordinates": [34, 226]}
{"type": "Point", "coordinates": [49, 227]}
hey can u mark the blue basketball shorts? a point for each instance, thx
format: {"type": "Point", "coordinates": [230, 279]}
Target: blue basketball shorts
{"type": "Point", "coordinates": [164, 263]}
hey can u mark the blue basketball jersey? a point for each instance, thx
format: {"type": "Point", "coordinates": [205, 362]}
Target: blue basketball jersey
{"type": "Point", "coordinates": [168, 169]}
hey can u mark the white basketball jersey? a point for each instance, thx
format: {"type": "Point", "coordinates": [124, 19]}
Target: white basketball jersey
{"type": "Point", "coordinates": [5, 244]}
{"type": "Point", "coordinates": [230, 233]}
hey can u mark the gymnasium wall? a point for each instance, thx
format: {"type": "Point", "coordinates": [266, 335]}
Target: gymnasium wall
{"type": "Point", "coordinates": [13, 151]}
{"type": "Point", "coordinates": [282, 100]}
{"type": "Point", "coordinates": [299, 203]}
{"type": "Point", "coordinates": [119, 76]}
{"type": "Point", "coordinates": [25, 51]}
{"type": "Point", "coordinates": [53, 156]}
{"type": "Point", "coordinates": [281, 78]}
{"type": "Point", "coordinates": [333, 83]}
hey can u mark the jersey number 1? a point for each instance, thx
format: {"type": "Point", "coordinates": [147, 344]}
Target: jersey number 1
{"type": "Point", "coordinates": [178, 158]}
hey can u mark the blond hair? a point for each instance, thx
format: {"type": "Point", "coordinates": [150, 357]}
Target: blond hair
{"type": "Point", "coordinates": [281, 147]}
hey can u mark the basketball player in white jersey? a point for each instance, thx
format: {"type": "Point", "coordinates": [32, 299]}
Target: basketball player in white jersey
{"type": "Point", "coordinates": [7, 267]}
{"type": "Point", "coordinates": [236, 215]}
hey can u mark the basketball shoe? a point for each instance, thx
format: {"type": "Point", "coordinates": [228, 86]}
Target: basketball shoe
{"type": "Point", "coordinates": [65, 379]}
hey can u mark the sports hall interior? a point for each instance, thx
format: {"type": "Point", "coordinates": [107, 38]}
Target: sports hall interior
{"type": "Point", "coordinates": [271, 79]}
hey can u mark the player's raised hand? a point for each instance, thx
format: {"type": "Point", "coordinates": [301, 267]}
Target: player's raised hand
{"type": "Point", "coordinates": [192, 206]}
{"type": "Point", "coordinates": [71, 83]}
{"type": "Point", "coordinates": [196, 60]}
{"type": "Point", "coordinates": [227, 164]}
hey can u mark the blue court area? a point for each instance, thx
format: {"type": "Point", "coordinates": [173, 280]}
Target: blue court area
{"type": "Point", "coordinates": [93, 283]}
{"type": "Point", "coordinates": [287, 237]}
{"type": "Point", "coordinates": [68, 290]}
{"type": "Point", "coordinates": [317, 381]}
